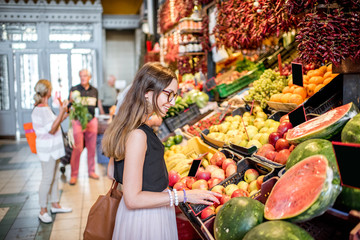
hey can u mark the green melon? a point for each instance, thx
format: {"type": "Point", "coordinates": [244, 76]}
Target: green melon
{"type": "Point", "coordinates": [305, 191]}
{"type": "Point", "coordinates": [314, 147]}
{"type": "Point", "coordinates": [277, 230]}
{"type": "Point", "coordinates": [350, 197]}
{"type": "Point", "coordinates": [237, 217]}
{"type": "Point", "coordinates": [351, 131]}
{"type": "Point", "coordinates": [325, 126]}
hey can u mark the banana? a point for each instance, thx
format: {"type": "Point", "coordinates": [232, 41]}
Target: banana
{"type": "Point", "coordinates": [176, 155]}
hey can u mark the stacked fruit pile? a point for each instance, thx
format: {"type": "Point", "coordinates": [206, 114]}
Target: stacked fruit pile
{"type": "Point", "coordinates": [313, 81]}
{"type": "Point", "coordinates": [269, 83]}
{"type": "Point", "coordinates": [257, 131]}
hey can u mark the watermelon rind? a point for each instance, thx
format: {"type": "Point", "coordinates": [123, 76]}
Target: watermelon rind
{"type": "Point", "coordinates": [320, 204]}
{"type": "Point", "coordinates": [326, 132]}
{"type": "Point", "coordinates": [314, 147]}
{"type": "Point", "coordinates": [277, 230]}
{"type": "Point", "coordinates": [351, 131]}
{"type": "Point", "coordinates": [236, 217]}
{"type": "Point", "coordinates": [350, 198]}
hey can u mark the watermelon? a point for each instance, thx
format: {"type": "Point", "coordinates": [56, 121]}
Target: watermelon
{"type": "Point", "coordinates": [305, 191]}
{"type": "Point", "coordinates": [314, 147]}
{"type": "Point", "coordinates": [351, 131]}
{"type": "Point", "coordinates": [277, 230]}
{"type": "Point", "coordinates": [350, 197]}
{"type": "Point", "coordinates": [325, 126]}
{"type": "Point", "coordinates": [236, 217]}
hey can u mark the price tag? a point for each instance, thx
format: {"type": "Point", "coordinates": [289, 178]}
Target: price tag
{"type": "Point", "coordinates": [280, 64]}
{"type": "Point", "coordinates": [297, 116]}
{"type": "Point", "coordinates": [297, 74]}
{"type": "Point", "coordinates": [347, 157]}
{"type": "Point", "coordinates": [195, 165]}
{"type": "Point", "coordinates": [210, 84]}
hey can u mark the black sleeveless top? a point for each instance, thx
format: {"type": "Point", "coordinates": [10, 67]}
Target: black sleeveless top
{"type": "Point", "coordinates": [155, 175]}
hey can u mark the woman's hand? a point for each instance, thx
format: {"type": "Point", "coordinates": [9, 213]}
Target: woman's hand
{"type": "Point", "coordinates": [202, 197]}
{"type": "Point", "coordinates": [63, 106]}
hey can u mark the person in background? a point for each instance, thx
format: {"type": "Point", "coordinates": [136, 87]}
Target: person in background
{"type": "Point", "coordinates": [146, 210]}
{"type": "Point", "coordinates": [89, 95]}
{"type": "Point", "coordinates": [50, 148]}
{"type": "Point", "coordinates": [107, 96]}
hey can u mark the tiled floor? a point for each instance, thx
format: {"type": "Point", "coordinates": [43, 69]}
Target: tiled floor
{"type": "Point", "coordinates": [20, 175]}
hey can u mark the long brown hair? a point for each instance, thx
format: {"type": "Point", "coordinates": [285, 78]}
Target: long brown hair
{"type": "Point", "coordinates": [151, 77]}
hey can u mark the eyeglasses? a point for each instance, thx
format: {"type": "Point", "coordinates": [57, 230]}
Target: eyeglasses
{"type": "Point", "coordinates": [171, 95]}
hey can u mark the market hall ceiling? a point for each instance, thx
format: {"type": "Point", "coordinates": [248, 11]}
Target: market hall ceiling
{"type": "Point", "coordinates": [131, 7]}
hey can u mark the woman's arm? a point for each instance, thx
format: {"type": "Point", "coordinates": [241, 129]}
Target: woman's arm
{"type": "Point", "coordinates": [59, 118]}
{"type": "Point", "coordinates": [110, 169]}
{"type": "Point", "coordinates": [134, 197]}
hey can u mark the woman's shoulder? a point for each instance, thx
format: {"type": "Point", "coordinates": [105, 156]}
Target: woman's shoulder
{"type": "Point", "coordinates": [137, 134]}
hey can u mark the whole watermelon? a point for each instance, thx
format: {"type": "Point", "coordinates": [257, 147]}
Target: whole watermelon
{"type": "Point", "coordinates": [237, 217]}
{"type": "Point", "coordinates": [350, 197]}
{"type": "Point", "coordinates": [277, 230]}
{"type": "Point", "coordinates": [314, 147]}
{"type": "Point", "coordinates": [351, 131]}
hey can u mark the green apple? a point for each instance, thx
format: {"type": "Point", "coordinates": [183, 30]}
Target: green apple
{"type": "Point", "coordinates": [272, 129]}
{"type": "Point", "coordinates": [268, 123]}
{"type": "Point", "coordinates": [259, 123]}
{"type": "Point", "coordinates": [264, 138]}
{"type": "Point", "coordinates": [246, 114]}
{"type": "Point", "coordinates": [254, 143]}
{"type": "Point", "coordinates": [263, 130]}
{"type": "Point", "coordinates": [243, 143]}
{"type": "Point", "coordinates": [261, 115]}
{"type": "Point", "coordinates": [275, 124]}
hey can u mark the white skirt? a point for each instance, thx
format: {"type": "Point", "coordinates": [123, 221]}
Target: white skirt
{"type": "Point", "coordinates": [145, 224]}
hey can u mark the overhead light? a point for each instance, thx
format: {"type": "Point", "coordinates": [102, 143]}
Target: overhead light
{"type": "Point", "coordinates": [66, 45]}
{"type": "Point", "coordinates": [18, 45]}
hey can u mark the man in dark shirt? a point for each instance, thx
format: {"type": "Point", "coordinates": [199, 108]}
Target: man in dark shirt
{"type": "Point", "coordinates": [89, 95]}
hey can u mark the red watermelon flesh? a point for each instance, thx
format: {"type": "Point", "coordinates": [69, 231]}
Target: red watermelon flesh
{"type": "Point", "coordinates": [324, 126]}
{"type": "Point", "coordinates": [297, 189]}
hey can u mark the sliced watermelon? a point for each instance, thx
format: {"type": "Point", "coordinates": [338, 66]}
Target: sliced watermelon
{"type": "Point", "coordinates": [303, 192]}
{"type": "Point", "coordinates": [325, 126]}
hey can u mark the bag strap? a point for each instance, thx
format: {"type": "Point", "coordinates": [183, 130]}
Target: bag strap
{"type": "Point", "coordinates": [114, 185]}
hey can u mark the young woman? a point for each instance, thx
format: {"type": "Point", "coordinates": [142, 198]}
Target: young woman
{"type": "Point", "coordinates": [49, 147]}
{"type": "Point", "coordinates": [146, 210]}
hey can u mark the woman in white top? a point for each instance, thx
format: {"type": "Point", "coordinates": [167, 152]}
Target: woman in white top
{"type": "Point", "coordinates": [49, 147]}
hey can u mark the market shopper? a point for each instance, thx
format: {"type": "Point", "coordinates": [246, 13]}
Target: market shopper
{"type": "Point", "coordinates": [89, 95]}
{"type": "Point", "coordinates": [107, 96]}
{"type": "Point", "coordinates": [146, 210]}
{"type": "Point", "coordinates": [49, 147]}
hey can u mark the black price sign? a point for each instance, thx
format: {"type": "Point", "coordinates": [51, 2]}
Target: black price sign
{"type": "Point", "coordinates": [210, 84]}
{"type": "Point", "coordinates": [298, 116]}
{"type": "Point", "coordinates": [347, 157]}
{"type": "Point", "coordinates": [297, 74]}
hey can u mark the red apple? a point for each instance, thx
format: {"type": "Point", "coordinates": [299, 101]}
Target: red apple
{"type": "Point", "coordinates": [224, 199]}
{"type": "Point", "coordinates": [271, 155]}
{"type": "Point", "coordinates": [174, 177]}
{"type": "Point", "coordinates": [230, 170]}
{"type": "Point", "coordinates": [218, 173]}
{"type": "Point", "coordinates": [217, 159]}
{"type": "Point", "coordinates": [284, 118]}
{"type": "Point", "coordinates": [211, 168]}
{"type": "Point", "coordinates": [239, 193]}
{"type": "Point", "coordinates": [218, 189]}
{"type": "Point", "coordinates": [284, 127]}
{"type": "Point", "coordinates": [243, 185]}
{"type": "Point", "coordinates": [273, 138]}
{"type": "Point", "coordinates": [200, 184]}
{"type": "Point", "coordinates": [259, 181]}
{"type": "Point", "coordinates": [282, 156]}
{"type": "Point", "coordinates": [207, 212]}
{"type": "Point", "coordinates": [291, 148]}
{"type": "Point", "coordinates": [190, 181]}
{"type": "Point", "coordinates": [183, 180]}
{"type": "Point", "coordinates": [226, 162]}
{"type": "Point", "coordinates": [213, 182]}
{"type": "Point", "coordinates": [206, 175]}
{"type": "Point", "coordinates": [264, 149]}
{"type": "Point", "coordinates": [250, 175]}
{"type": "Point", "coordinates": [179, 186]}
{"type": "Point", "coordinates": [282, 144]}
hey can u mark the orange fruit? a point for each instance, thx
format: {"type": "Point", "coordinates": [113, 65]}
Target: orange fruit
{"type": "Point", "coordinates": [285, 97]}
{"type": "Point", "coordinates": [290, 82]}
{"type": "Point", "coordinates": [327, 74]}
{"type": "Point", "coordinates": [310, 89]}
{"type": "Point", "coordinates": [286, 89]}
{"type": "Point", "coordinates": [296, 98]}
{"type": "Point", "coordinates": [301, 91]}
{"type": "Point", "coordinates": [316, 80]}
{"type": "Point", "coordinates": [334, 75]}
{"type": "Point", "coordinates": [327, 80]}
{"type": "Point", "coordinates": [323, 69]}
{"type": "Point", "coordinates": [292, 88]}
{"type": "Point", "coordinates": [310, 73]}
{"type": "Point", "coordinates": [318, 72]}
{"type": "Point", "coordinates": [276, 97]}
{"type": "Point", "coordinates": [329, 68]}
{"type": "Point", "coordinates": [306, 78]}
{"type": "Point", "coordinates": [318, 87]}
